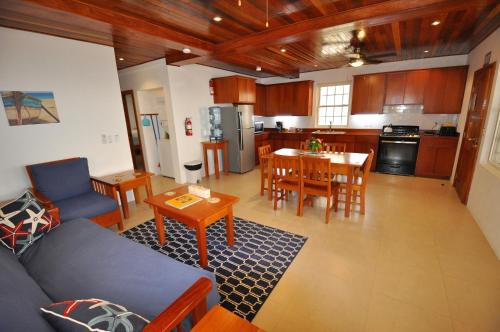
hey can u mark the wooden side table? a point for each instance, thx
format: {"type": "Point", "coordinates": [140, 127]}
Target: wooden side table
{"type": "Point", "coordinates": [125, 181]}
{"type": "Point", "coordinates": [216, 146]}
{"type": "Point", "coordinates": [219, 319]}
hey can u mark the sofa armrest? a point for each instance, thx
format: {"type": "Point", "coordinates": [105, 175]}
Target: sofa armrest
{"type": "Point", "coordinates": [104, 188]}
{"type": "Point", "coordinates": [192, 300]}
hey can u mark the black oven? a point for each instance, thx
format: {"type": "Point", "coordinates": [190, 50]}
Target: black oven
{"type": "Point", "coordinates": [398, 149]}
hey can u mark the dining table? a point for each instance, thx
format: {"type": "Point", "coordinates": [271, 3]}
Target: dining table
{"type": "Point", "coordinates": [344, 163]}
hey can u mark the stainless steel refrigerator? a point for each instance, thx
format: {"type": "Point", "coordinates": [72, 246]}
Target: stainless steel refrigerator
{"type": "Point", "coordinates": [238, 129]}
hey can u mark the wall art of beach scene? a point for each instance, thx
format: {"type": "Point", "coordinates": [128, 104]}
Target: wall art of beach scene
{"type": "Point", "coordinates": [29, 107]}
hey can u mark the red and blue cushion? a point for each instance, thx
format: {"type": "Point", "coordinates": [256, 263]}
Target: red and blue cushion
{"type": "Point", "coordinates": [92, 315]}
{"type": "Point", "coordinates": [23, 221]}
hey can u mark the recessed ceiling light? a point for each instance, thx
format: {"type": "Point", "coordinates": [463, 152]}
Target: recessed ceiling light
{"type": "Point", "coordinates": [121, 59]}
{"type": "Point", "coordinates": [186, 50]}
{"type": "Point", "coordinates": [283, 50]}
{"type": "Point", "coordinates": [315, 65]}
{"type": "Point", "coordinates": [361, 34]}
{"type": "Point", "coordinates": [259, 68]}
{"type": "Point", "coordinates": [436, 22]}
{"type": "Point", "coordinates": [426, 51]}
{"type": "Point", "coordinates": [217, 18]}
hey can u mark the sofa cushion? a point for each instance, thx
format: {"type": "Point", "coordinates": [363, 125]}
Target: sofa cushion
{"type": "Point", "coordinates": [92, 315]}
{"type": "Point", "coordinates": [22, 222]}
{"type": "Point", "coordinates": [87, 205]}
{"type": "Point", "coordinates": [81, 260]}
{"type": "Point", "coordinates": [20, 297]}
{"type": "Point", "coordinates": [62, 180]}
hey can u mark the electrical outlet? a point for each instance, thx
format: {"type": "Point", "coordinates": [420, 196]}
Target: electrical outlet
{"type": "Point", "coordinates": [103, 139]}
{"type": "Point", "coordinates": [110, 139]}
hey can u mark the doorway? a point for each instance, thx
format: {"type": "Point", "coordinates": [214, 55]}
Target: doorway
{"type": "Point", "coordinates": [134, 136]}
{"type": "Point", "coordinates": [471, 139]}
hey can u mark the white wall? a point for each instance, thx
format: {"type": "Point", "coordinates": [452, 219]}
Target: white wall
{"type": "Point", "coordinates": [342, 75]}
{"type": "Point", "coordinates": [84, 80]}
{"type": "Point", "coordinates": [484, 196]}
{"type": "Point", "coordinates": [187, 94]}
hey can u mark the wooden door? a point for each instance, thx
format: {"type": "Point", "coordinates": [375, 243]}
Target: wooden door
{"type": "Point", "coordinates": [471, 139]}
{"type": "Point", "coordinates": [133, 131]}
{"type": "Point", "coordinates": [395, 90]}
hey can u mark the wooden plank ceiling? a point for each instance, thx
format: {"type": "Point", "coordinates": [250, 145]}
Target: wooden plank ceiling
{"type": "Point", "coordinates": [303, 35]}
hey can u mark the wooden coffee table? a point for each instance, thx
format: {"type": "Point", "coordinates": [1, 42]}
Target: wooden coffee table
{"type": "Point", "coordinates": [197, 216]}
{"type": "Point", "coordinates": [128, 180]}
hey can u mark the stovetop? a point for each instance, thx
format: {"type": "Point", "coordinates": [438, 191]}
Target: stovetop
{"type": "Point", "coordinates": [400, 131]}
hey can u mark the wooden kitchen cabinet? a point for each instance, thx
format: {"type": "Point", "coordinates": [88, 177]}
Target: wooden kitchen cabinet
{"type": "Point", "coordinates": [234, 90]}
{"type": "Point", "coordinates": [436, 156]}
{"type": "Point", "coordinates": [260, 100]}
{"type": "Point", "coordinates": [416, 81]}
{"type": "Point", "coordinates": [444, 90]}
{"type": "Point", "coordinates": [293, 98]}
{"type": "Point", "coordinates": [368, 93]}
{"type": "Point", "coordinates": [395, 88]}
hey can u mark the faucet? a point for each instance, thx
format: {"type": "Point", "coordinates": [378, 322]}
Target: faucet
{"type": "Point", "coordinates": [330, 126]}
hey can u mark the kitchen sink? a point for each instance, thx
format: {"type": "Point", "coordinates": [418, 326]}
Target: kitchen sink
{"type": "Point", "coordinates": [329, 132]}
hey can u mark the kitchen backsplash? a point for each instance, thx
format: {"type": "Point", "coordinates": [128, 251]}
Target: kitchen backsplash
{"type": "Point", "coordinates": [425, 121]}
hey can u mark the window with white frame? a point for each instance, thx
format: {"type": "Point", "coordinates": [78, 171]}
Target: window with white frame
{"type": "Point", "coordinates": [333, 106]}
{"type": "Point", "coordinates": [495, 148]}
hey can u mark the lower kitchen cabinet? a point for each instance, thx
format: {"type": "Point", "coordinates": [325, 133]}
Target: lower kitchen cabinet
{"type": "Point", "coordinates": [261, 140]}
{"type": "Point", "coordinates": [436, 156]}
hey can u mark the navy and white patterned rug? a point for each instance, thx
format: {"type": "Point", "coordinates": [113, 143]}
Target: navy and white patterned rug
{"type": "Point", "coordinates": [246, 273]}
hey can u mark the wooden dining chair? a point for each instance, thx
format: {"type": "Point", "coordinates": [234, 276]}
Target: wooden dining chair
{"type": "Point", "coordinates": [334, 147]}
{"type": "Point", "coordinates": [286, 174]}
{"type": "Point", "coordinates": [304, 145]}
{"type": "Point", "coordinates": [316, 180]}
{"type": "Point", "coordinates": [360, 181]}
{"type": "Point", "coordinates": [264, 152]}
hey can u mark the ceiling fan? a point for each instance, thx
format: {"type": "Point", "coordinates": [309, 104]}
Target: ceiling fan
{"type": "Point", "coordinates": [352, 50]}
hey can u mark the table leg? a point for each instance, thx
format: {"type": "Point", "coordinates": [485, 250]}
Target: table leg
{"type": "Point", "coordinates": [159, 227]}
{"type": "Point", "coordinates": [137, 196]}
{"type": "Point", "coordinates": [201, 238]}
{"type": "Point", "coordinates": [348, 195]}
{"type": "Point", "coordinates": [270, 179]}
{"type": "Point", "coordinates": [149, 188]}
{"type": "Point", "coordinates": [205, 160]}
{"type": "Point", "coordinates": [123, 199]}
{"type": "Point", "coordinates": [216, 162]}
{"type": "Point", "coordinates": [226, 159]}
{"type": "Point", "coordinates": [230, 227]}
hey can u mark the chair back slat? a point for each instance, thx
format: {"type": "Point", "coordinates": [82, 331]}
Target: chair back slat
{"type": "Point", "coordinates": [335, 147]}
{"type": "Point", "coordinates": [316, 171]}
{"type": "Point", "coordinates": [367, 167]}
{"type": "Point", "coordinates": [286, 168]}
{"type": "Point", "coordinates": [304, 145]}
{"type": "Point", "coordinates": [263, 151]}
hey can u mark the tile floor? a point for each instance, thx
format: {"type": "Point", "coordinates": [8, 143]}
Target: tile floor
{"type": "Point", "coordinates": [416, 261]}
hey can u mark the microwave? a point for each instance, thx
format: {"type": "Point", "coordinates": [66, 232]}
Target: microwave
{"type": "Point", "coordinates": [258, 127]}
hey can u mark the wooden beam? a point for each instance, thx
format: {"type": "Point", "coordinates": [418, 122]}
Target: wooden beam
{"type": "Point", "coordinates": [250, 62]}
{"type": "Point", "coordinates": [318, 4]}
{"type": "Point", "coordinates": [172, 38]}
{"type": "Point", "coordinates": [181, 59]}
{"type": "Point", "coordinates": [376, 14]}
{"type": "Point", "coordinates": [397, 37]}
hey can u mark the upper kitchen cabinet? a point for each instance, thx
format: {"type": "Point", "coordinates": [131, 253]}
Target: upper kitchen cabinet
{"type": "Point", "coordinates": [406, 87]}
{"type": "Point", "coordinates": [368, 93]}
{"type": "Point", "coordinates": [260, 100]}
{"type": "Point", "coordinates": [234, 90]}
{"type": "Point", "coordinates": [445, 90]}
{"type": "Point", "coordinates": [293, 98]}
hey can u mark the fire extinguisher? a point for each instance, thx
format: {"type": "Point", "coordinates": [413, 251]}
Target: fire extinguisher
{"type": "Point", "coordinates": [188, 125]}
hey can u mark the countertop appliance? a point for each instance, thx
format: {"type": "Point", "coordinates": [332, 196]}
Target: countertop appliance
{"type": "Point", "coordinates": [279, 125]}
{"type": "Point", "coordinates": [448, 131]}
{"type": "Point", "coordinates": [259, 127]}
{"type": "Point", "coordinates": [398, 149]}
{"type": "Point", "coordinates": [238, 129]}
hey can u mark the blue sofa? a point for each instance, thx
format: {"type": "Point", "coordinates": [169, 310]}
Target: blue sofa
{"type": "Point", "coordinates": [79, 260]}
{"type": "Point", "coordinates": [67, 185]}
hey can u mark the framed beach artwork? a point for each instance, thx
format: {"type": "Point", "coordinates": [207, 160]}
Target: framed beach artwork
{"type": "Point", "coordinates": [29, 107]}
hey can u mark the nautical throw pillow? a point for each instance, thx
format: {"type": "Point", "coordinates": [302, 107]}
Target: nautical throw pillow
{"type": "Point", "coordinates": [22, 222]}
{"type": "Point", "coordinates": [92, 315]}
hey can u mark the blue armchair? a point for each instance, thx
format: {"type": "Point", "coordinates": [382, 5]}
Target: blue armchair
{"type": "Point", "coordinates": [67, 185]}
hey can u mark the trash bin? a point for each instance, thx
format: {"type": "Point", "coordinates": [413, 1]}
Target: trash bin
{"type": "Point", "coordinates": [193, 173]}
